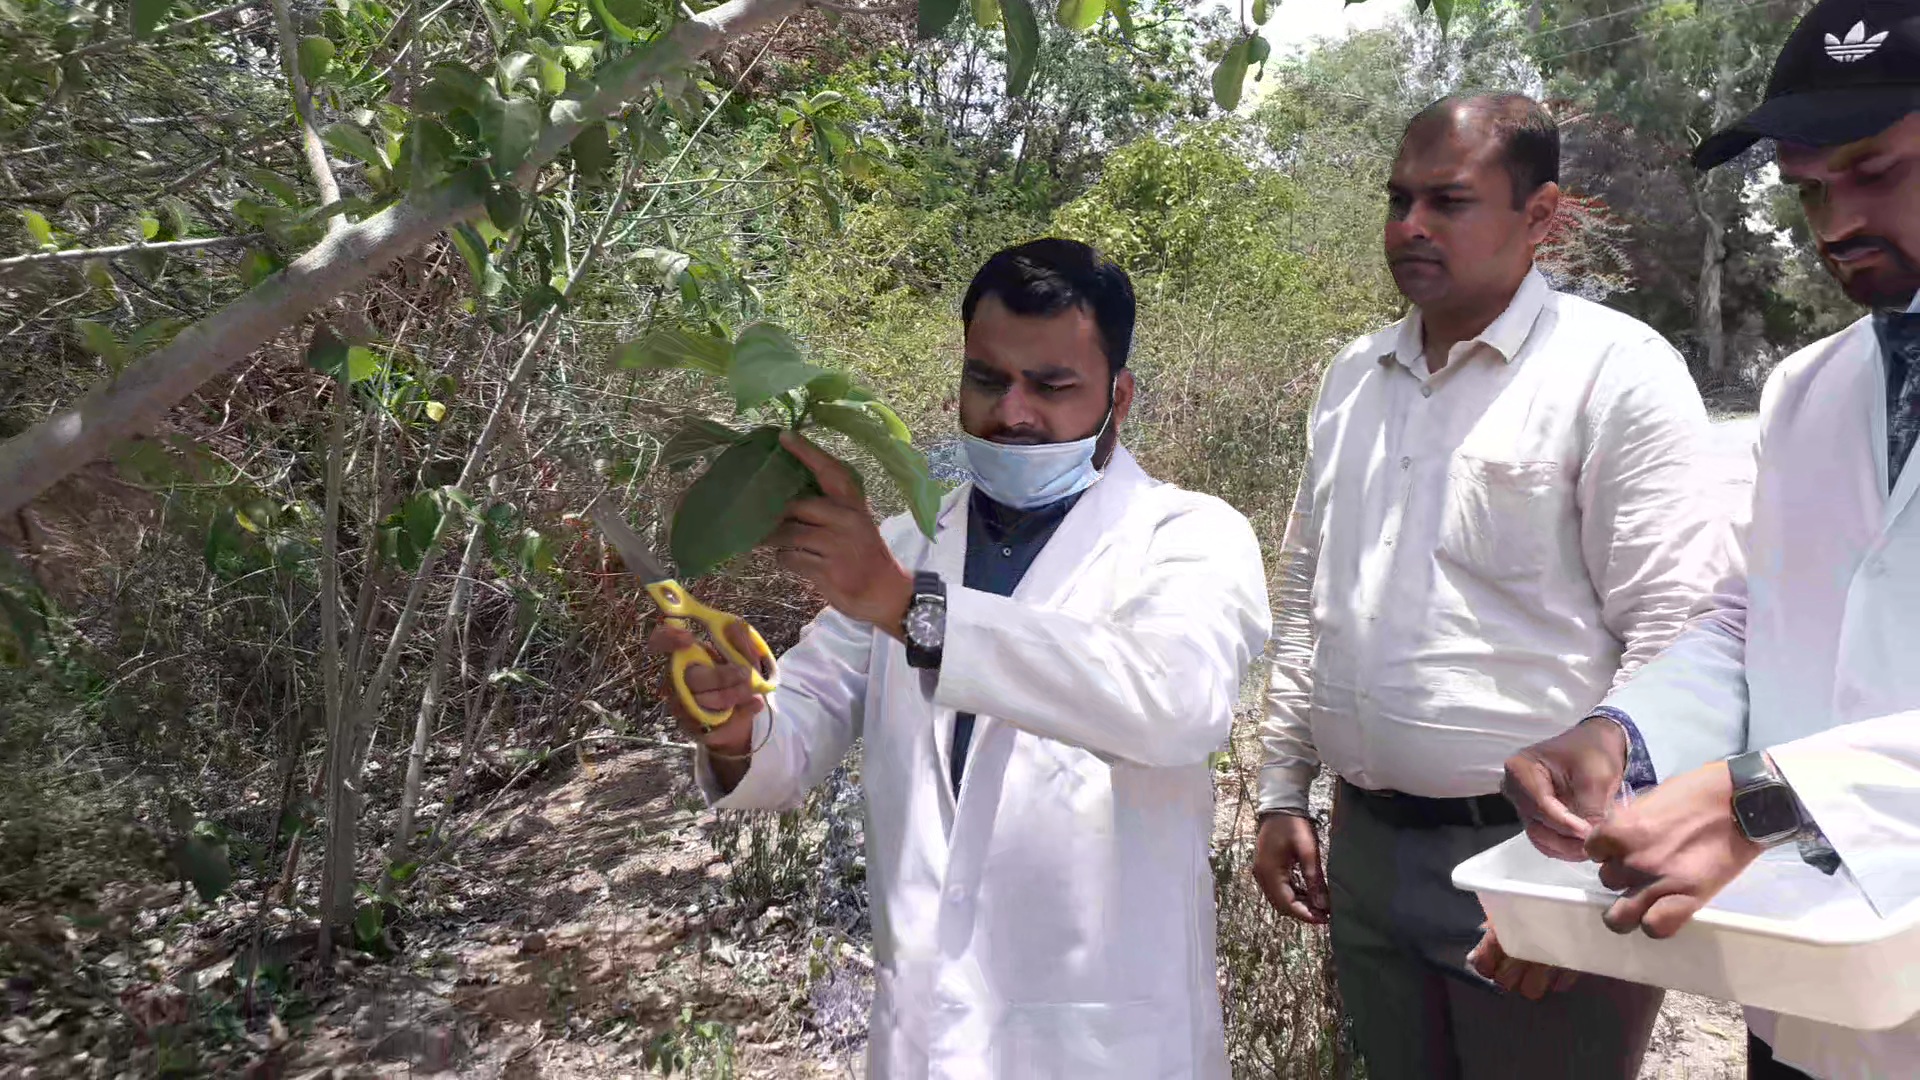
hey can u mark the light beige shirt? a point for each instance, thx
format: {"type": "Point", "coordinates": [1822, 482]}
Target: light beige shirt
{"type": "Point", "coordinates": [1476, 555]}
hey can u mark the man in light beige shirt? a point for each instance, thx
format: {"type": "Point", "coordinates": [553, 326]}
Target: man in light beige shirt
{"type": "Point", "coordinates": [1502, 513]}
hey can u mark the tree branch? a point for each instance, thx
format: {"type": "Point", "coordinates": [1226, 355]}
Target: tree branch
{"type": "Point", "coordinates": [310, 142]}
{"type": "Point", "coordinates": [851, 9]}
{"type": "Point", "coordinates": [119, 43]}
{"type": "Point", "coordinates": [55, 448]}
{"type": "Point", "coordinates": [80, 254]}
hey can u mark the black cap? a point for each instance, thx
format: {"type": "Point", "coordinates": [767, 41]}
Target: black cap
{"type": "Point", "coordinates": [1850, 70]}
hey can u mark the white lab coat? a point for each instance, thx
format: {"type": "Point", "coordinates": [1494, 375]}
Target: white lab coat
{"type": "Point", "coordinates": [1810, 648]}
{"type": "Point", "coordinates": [1058, 921]}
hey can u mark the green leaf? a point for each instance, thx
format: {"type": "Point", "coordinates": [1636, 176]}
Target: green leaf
{"type": "Point", "coordinates": [257, 266]}
{"type": "Point", "coordinates": [512, 68]}
{"type": "Point", "coordinates": [316, 55]}
{"type": "Point", "coordinates": [275, 185]}
{"type": "Point", "coordinates": [673, 348]}
{"type": "Point", "coordinates": [737, 503]}
{"type": "Point", "coordinates": [362, 364]}
{"type": "Point", "coordinates": [766, 363]}
{"type": "Point", "coordinates": [158, 332]}
{"type": "Point", "coordinates": [510, 128]}
{"type": "Point", "coordinates": [986, 14]}
{"type": "Point", "coordinates": [431, 153]}
{"type": "Point", "coordinates": [936, 16]}
{"type": "Point", "coordinates": [203, 863]}
{"type": "Point", "coordinates": [505, 207]}
{"type": "Point", "coordinates": [895, 426]}
{"type": "Point", "coordinates": [1443, 12]}
{"type": "Point", "coordinates": [906, 466]}
{"type": "Point", "coordinates": [1023, 44]}
{"type": "Point", "coordinates": [620, 31]}
{"type": "Point", "coordinates": [326, 353]}
{"type": "Point", "coordinates": [592, 152]}
{"type": "Point", "coordinates": [38, 229]}
{"type": "Point", "coordinates": [148, 15]}
{"type": "Point", "coordinates": [1261, 12]}
{"type": "Point", "coordinates": [1230, 77]}
{"type": "Point", "coordinates": [100, 341]}
{"type": "Point", "coordinates": [1123, 15]}
{"type": "Point", "coordinates": [453, 88]}
{"type": "Point", "coordinates": [671, 263]}
{"type": "Point", "coordinates": [553, 75]}
{"type": "Point", "coordinates": [401, 873]}
{"type": "Point", "coordinates": [698, 439]}
{"type": "Point", "coordinates": [517, 9]}
{"type": "Point", "coordinates": [436, 411]}
{"type": "Point", "coordinates": [366, 926]}
{"type": "Point", "coordinates": [479, 264]}
{"type": "Point", "coordinates": [832, 386]}
{"type": "Point", "coordinates": [535, 552]}
{"type": "Point", "coordinates": [421, 518]}
{"type": "Point", "coordinates": [1079, 14]}
{"type": "Point", "coordinates": [149, 227]}
{"type": "Point", "coordinates": [354, 142]}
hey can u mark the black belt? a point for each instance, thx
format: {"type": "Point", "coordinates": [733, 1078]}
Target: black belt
{"type": "Point", "coordinates": [1419, 812]}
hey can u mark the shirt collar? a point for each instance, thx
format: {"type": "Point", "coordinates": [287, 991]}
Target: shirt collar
{"type": "Point", "coordinates": [1505, 335]}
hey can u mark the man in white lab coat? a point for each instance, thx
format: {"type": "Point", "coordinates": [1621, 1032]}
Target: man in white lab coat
{"type": "Point", "coordinates": [1038, 690]}
{"type": "Point", "coordinates": [1798, 684]}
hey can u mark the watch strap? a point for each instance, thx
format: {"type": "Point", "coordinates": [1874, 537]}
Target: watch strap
{"type": "Point", "coordinates": [1750, 770]}
{"type": "Point", "coordinates": [928, 590]}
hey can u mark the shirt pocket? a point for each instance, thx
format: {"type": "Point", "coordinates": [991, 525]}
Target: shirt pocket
{"type": "Point", "coordinates": [1500, 518]}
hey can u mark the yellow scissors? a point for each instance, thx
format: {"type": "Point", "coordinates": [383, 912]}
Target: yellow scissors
{"type": "Point", "coordinates": [675, 603]}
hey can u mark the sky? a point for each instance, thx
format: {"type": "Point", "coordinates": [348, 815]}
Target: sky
{"type": "Point", "coordinates": [1296, 23]}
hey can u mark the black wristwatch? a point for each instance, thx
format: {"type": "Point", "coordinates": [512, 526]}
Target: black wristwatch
{"type": "Point", "coordinates": [925, 625]}
{"type": "Point", "coordinates": [1764, 806]}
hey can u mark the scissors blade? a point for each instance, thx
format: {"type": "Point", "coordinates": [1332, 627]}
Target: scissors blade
{"type": "Point", "coordinates": [633, 550]}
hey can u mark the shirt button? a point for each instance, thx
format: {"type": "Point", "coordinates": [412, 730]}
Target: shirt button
{"type": "Point", "coordinates": [1007, 551]}
{"type": "Point", "coordinates": [956, 895]}
{"type": "Point", "coordinates": [1406, 463]}
{"type": "Point", "coordinates": [1426, 391]}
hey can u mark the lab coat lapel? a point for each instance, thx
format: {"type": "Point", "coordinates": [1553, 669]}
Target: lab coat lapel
{"type": "Point", "coordinates": [948, 558]}
{"type": "Point", "coordinates": [1085, 534]}
{"type": "Point", "coordinates": [1087, 531]}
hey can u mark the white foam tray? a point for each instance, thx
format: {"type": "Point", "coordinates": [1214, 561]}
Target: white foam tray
{"type": "Point", "coordinates": [1782, 937]}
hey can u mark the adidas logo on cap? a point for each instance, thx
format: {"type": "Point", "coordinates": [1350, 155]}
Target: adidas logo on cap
{"type": "Point", "coordinates": [1856, 45]}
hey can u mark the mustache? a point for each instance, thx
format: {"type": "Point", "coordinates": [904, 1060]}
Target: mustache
{"type": "Point", "coordinates": [1020, 435]}
{"type": "Point", "coordinates": [1418, 253]}
{"type": "Point", "coordinates": [1860, 245]}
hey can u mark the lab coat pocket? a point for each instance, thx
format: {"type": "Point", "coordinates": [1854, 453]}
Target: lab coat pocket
{"type": "Point", "coordinates": [1499, 518]}
{"type": "Point", "coordinates": [1072, 1040]}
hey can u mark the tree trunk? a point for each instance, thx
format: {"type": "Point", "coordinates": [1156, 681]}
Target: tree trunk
{"type": "Point", "coordinates": [1709, 320]}
{"type": "Point", "coordinates": [430, 699]}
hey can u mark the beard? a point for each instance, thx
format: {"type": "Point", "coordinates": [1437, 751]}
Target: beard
{"type": "Point", "coordinates": [1891, 285]}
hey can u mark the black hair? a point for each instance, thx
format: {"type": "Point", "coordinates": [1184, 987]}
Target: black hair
{"type": "Point", "coordinates": [1052, 275]}
{"type": "Point", "coordinates": [1530, 140]}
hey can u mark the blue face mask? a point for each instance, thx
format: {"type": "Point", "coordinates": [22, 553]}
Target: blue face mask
{"type": "Point", "coordinates": [1025, 477]}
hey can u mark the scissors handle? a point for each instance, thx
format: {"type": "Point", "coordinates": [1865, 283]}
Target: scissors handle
{"type": "Point", "coordinates": [677, 603]}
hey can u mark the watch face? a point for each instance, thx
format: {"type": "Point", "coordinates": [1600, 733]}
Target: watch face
{"type": "Point", "coordinates": [1766, 813]}
{"type": "Point", "coordinates": [925, 627]}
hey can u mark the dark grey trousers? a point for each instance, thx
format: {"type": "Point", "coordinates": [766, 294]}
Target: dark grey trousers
{"type": "Point", "coordinates": [1401, 933]}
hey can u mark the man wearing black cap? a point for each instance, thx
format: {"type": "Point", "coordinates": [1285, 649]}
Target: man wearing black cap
{"type": "Point", "coordinates": [1798, 681]}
